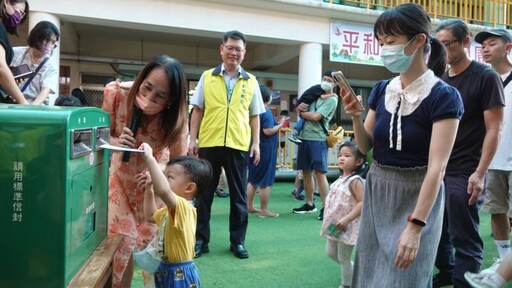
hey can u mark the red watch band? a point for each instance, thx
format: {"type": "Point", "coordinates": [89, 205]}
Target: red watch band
{"type": "Point", "coordinates": [416, 221]}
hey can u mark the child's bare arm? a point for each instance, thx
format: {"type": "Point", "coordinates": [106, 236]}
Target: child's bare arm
{"type": "Point", "coordinates": [357, 189]}
{"type": "Point", "coordinates": [144, 184]}
{"type": "Point", "coordinates": [160, 182]}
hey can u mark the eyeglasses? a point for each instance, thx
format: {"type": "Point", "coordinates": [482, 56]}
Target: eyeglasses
{"type": "Point", "coordinates": [231, 49]}
{"type": "Point", "coordinates": [448, 43]}
{"type": "Point", "coordinates": [50, 43]}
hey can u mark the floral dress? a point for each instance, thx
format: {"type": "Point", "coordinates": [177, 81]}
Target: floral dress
{"type": "Point", "coordinates": [339, 203]}
{"type": "Point", "coordinates": [125, 201]}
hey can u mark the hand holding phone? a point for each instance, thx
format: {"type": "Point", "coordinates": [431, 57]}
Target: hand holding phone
{"type": "Point", "coordinates": [342, 82]}
{"type": "Point", "coordinates": [21, 72]}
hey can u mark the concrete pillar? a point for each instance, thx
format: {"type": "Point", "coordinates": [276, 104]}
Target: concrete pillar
{"type": "Point", "coordinates": [310, 66]}
{"type": "Point", "coordinates": [36, 17]}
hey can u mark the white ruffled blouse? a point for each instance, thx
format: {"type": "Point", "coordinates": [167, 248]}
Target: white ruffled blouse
{"type": "Point", "coordinates": [402, 102]}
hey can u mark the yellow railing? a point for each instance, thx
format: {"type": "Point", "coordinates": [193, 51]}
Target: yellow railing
{"type": "Point", "coordinates": [494, 13]}
{"type": "Point", "coordinates": [286, 155]}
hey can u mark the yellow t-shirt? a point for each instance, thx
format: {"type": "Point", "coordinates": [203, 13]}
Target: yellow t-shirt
{"type": "Point", "coordinates": [180, 230]}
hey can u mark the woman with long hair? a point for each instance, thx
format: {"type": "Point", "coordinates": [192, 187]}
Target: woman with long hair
{"type": "Point", "coordinates": [152, 109]}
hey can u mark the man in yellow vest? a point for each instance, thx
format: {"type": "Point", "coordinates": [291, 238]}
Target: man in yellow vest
{"type": "Point", "coordinates": [227, 103]}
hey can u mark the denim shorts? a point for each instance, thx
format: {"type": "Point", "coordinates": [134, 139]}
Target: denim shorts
{"type": "Point", "coordinates": [312, 156]}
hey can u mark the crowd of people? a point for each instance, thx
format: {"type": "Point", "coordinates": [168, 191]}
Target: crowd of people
{"type": "Point", "coordinates": [439, 138]}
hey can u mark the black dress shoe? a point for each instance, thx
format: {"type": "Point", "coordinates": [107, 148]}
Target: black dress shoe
{"type": "Point", "coordinates": [239, 251]}
{"type": "Point", "coordinates": [221, 193]}
{"type": "Point", "coordinates": [201, 248]}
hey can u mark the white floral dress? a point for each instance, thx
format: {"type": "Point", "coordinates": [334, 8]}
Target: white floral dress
{"type": "Point", "coordinates": [339, 203]}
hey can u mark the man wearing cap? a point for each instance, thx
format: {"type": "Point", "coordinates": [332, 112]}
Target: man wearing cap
{"type": "Point", "coordinates": [312, 152]}
{"type": "Point", "coordinates": [496, 46]}
{"type": "Point", "coordinates": [475, 144]}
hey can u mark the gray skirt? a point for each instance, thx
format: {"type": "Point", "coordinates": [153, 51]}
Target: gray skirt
{"type": "Point", "coordinates": [390, 196]}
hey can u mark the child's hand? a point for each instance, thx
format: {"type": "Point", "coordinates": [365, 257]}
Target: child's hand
{"type": "Point", "coordinates": [148, 151]}
{"type": "Point", "coordinates": [342, 225]}
{"type": "Point", "coordinates": [144, 181]}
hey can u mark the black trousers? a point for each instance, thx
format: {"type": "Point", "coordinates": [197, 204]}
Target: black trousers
{"type": "Point", "coordinates": [235, 165]}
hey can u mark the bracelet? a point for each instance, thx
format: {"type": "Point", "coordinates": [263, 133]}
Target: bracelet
{"type": "Point", "coordinates": [416, 221]}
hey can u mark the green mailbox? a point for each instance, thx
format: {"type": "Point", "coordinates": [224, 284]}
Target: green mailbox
{"type": "Point", "coordinates": [53, 192]}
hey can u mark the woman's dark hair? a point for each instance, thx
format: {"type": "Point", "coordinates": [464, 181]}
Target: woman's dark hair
{"type": "Point", "coordinates": [362, 170]}
{"type": "Point", "coordinates": [410, 20]}
{"type": "Point", "coordinates": [3, 14]}
{"type": "Point", "coordinates": [265, 93]}
{"type": "Point", "coordinates": [198, 170]}
{"type": "Point", "coordinates": [173, 120]}
{"type": "Point", "coordinates": [42, 33]}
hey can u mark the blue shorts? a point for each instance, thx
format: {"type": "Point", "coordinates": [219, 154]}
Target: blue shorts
{"type": "Point", "coordinates": [312, 156]}
{"type": "Point", "coordinates": [177, 275]}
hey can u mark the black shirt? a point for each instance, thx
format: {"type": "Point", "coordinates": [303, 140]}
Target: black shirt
{"type": "Point", "coordinates": [481, 89]}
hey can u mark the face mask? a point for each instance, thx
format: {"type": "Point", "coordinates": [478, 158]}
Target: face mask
{"type": "Point", "coordinates": [12, 21]}
{"type": "Point", "coordinates": [326, 86]}
{"type": "Point", "coordinates": [148, 108]}
{"type": "Point", "coordinates": [47, 48]}
{"type": "Point", "coordinates": [394, 58]}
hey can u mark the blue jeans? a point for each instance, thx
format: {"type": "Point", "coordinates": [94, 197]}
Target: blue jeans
{"type": "Point", "coordinates": [298, 126]}
{"type": "Point", "coordinates": [460, 232]}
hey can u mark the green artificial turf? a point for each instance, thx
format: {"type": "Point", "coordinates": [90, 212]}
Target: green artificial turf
{"type": "Point", "coordinates": [284, 252]}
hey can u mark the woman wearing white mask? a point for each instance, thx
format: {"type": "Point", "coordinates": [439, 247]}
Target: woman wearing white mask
{"type": "Point", "coordinates": [41, 41]}
{"type": "Point", "coordinates": [411, 125]}
{"type": "Point", "coordinates": [13, 14]}
{"type": "Point", "coordinates": [152, 109]}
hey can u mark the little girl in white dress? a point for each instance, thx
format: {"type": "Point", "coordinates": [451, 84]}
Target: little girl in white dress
{"type": "Point", "coordinates": [342, 210]}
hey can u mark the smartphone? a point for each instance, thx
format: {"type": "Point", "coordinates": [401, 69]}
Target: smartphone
{"type": "Point", "coordinates": [342, 82]}
{"type": "Point", "coordinates": [22, 71]}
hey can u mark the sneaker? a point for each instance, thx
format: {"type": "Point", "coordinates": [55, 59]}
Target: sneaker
{"type": "Point", "coordinates": [493, 268]}
{"type": "Point", "coordinates": [294, 139]}
{"type": "Point", "coordinates": [306, 208]}
{"type": "Point", "coordinates": [442, 280]}
{"type": "Point", "coordinates": [321, 215]}
{"type": "Point", "coordinates": [479, 280]}
{"type": "Point", "coordinates": [267, 214]}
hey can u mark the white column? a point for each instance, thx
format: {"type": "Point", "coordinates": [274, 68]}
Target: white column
{"type": "Point", "coordinates": [310, 66]}
{"type": "Point", "coordinates": [36, 17]}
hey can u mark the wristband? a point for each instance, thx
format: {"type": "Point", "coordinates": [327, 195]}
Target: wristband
{"type": "Point", "coordinates": [416, 221]}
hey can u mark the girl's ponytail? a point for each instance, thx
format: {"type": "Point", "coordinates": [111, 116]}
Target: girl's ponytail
{"type": "Point", "coordinates": [437, 60]}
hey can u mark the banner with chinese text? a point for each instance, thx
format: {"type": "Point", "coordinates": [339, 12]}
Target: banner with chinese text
{"type": "Point", "coordinates": [355, 43]}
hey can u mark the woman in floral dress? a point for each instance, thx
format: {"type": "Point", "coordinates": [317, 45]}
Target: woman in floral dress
{"type": "Point", "coordinates": [158, 99]}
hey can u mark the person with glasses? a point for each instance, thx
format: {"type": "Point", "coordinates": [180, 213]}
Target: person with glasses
{"type": "Point", "coordinates": [41, 42]}
{"type": "Point", "coordinates": [224, 129]}
{"type": "Point", "coordinates": [475, 145]}
{"type": "Point", "coordinates": [13, 14]}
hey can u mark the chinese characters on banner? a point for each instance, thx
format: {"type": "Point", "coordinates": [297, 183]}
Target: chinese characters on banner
{"type": "Point", "coordinates": [355, 43]}
{"type": "Point", "coordinates": [17, 192]}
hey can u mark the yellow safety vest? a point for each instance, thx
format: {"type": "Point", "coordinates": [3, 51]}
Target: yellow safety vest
{"type": "Point", "coordinates": [226, 124]}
